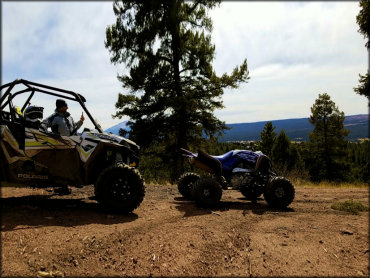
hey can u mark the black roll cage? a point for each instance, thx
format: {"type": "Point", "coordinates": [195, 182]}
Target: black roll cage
{"type": "Point", "coordinates": [36, 87]}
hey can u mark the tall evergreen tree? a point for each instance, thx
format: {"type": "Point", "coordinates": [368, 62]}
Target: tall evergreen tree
{"type": "Point", "coordinates": [285, 155]}
{"type": "Point", "coordinates": [173, 89]}
{"type": "Point", "coordinates": [280, 152]}
{"type": "Point", "coordinates": [268, 137]}
{"type": "Point", "coordinates": [327, 140]}
{"type": "Point", "coordinates": [363, 21]}
{"type": "Point", "coordinates": [364, 87]}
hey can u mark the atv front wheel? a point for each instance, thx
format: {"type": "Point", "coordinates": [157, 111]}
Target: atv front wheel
{"type": "Point", "coordinates": [279, 192]}
{"type": "Point", "coordinates": [120, 188]}
{"type": "Point", "coordinates": [185, 184]}
{"type": "Point", "coordinates": [207, 192]}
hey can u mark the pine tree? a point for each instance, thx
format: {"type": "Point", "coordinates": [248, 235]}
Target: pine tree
{"type": "Point", "coordinates": [327, 144]}
{"type": "Point", "coordinates": [364, 87]}
{"type": "Point", "coordinates": [268, 137]}
{"type": "Point", "coordinates": [173, 89]}
{"type": "Point", "coordinates": [363, 21]}
{"type": "Point", "coordinates": [280, 152]}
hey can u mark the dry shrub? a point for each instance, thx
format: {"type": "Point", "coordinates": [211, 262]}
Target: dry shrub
{"type": "Point", "coordinates": [351, 206]}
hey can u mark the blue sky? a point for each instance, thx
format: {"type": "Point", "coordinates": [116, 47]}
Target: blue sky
{"type": "Point", "coordinates": [294, 50]}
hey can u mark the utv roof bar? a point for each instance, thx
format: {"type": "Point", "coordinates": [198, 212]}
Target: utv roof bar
{"type": "Point", "coordinates": [37, 87]}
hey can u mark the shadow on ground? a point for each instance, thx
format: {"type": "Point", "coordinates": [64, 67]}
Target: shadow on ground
{"type": "Point", "coordinates": [258, 207]}
{"type": "Point", "coordinates": [40, 211]}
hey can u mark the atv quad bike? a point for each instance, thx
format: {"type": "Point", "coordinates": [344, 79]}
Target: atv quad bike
{"type": "Point", "coordinates": [33, 157]}
{"type": "Point", "coordinates": [249, 172]}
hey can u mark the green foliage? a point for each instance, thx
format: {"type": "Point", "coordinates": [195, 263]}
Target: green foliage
{"type": "Point", "coordinates": [363, 20]}
{"type": "Point", "coordinates": [364, 87]}
{"type": "Point", "coordinates": [359, 159]}
{"type": "Point", "coordinates": [327, 142]}
{"type": "Point", "coordinates": [351, 206]}
{"type": "Point", "coordinates": [284, 154]}
{"type": "Point", "coordinates": [268, 137]}
{"type": "Point", "coordinates": [156, 169]}
{"type": "Point", "coordinates": [173, 89]}
{"type": "Point", "coordinates": [281, 149]}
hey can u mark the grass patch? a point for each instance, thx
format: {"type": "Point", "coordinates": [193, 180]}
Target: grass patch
{"type": "Point", "coordinates": [351, 206]}
{"type": "Point", "coordinates": [327, 184]}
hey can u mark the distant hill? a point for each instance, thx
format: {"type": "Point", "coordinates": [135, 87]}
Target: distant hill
{"type": "Point", "coordinates": [115, 129]}
{"type": "Point", "coordinates": [296, 129]}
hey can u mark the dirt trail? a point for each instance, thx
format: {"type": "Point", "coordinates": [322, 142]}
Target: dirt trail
{"type": "Point", "coordinates": [169, 236]}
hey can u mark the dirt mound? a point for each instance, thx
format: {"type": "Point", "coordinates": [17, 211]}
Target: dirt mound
{"type": "Point", "coordinates": [45, 234]}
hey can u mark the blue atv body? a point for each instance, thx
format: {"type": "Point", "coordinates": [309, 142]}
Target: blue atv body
{"type": "Point", "coordinates": [249, 172]}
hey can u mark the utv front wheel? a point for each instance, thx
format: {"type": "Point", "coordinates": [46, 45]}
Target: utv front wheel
{"type": "Point", "coordinates": [279, 192]}
{"type": "Point", "coordinates": [120, 188]}
{"type": "Point", "coordinates": [185, 184]}
{"type": "Point", "coordinates": [207, 192]}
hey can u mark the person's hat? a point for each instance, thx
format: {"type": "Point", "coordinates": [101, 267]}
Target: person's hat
{"type": "Point", "coordinates": [61, 103]}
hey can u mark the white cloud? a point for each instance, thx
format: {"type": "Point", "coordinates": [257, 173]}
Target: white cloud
{"type": "Point", "coordinates": [278, 92]}
{"type": "Point", "coordinates": [62, 45]}
{"type": "Point", "coordinates": [295, 51]}
{"type": "Point", "coordinates": [282, 32]}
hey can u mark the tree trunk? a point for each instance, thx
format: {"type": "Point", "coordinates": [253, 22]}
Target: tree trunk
{"type": "Point", "coordinates": [179, 109]}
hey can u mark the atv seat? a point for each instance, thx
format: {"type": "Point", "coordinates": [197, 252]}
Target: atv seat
{"type": "Point", "coordinates": [224, 157]}
{"type": "Point", "coordinates": [209, 162]}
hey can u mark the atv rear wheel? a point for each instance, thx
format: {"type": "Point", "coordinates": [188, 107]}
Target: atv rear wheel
{"type": "Point", "coordinates": [120, 188]}
{"type": "Point", "coordinates": [185, 184]}
{"type": "Point", "coordinates": [206, 192]}
{"type": "Point", "coordinates": [279, 192]}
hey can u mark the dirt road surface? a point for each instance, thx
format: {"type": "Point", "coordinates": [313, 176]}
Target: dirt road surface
{"type": "Point", "coordinates": [44, 234]}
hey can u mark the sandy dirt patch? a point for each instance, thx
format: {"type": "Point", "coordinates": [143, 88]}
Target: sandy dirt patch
{"type": "Point", "coordinates": [169, 236]}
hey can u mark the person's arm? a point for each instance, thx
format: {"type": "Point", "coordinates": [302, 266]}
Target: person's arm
{"type": "Point", "coordinates": [77, 125]}
{"type": "Point", "coordinates": [80, 122]}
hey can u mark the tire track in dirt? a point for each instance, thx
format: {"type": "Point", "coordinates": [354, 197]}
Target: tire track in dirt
{"type": "Point", "coordinates": [169, 236]}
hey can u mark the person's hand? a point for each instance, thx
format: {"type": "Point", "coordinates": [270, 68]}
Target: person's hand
{"type": "Point", "coordinates": [82, 117]}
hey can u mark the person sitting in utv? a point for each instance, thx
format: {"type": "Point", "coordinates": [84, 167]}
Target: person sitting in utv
{"type": "Point", "coordinates": [33, 116]}
{"type": "Point", "coordinates": [61, 121]}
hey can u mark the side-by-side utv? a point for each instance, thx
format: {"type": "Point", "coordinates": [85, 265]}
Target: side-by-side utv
{"type": "Point", "coordinates": [31, 156]}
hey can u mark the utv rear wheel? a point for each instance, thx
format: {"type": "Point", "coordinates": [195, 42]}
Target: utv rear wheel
{"type": "Point", "coordinates": [279, 192]}
{"type": "Point", "coordinates": [185, 184]}
{"type": "Point", "coordinates": [120, 188]}
{"type": "Point", "coordinates": [207, 192]}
